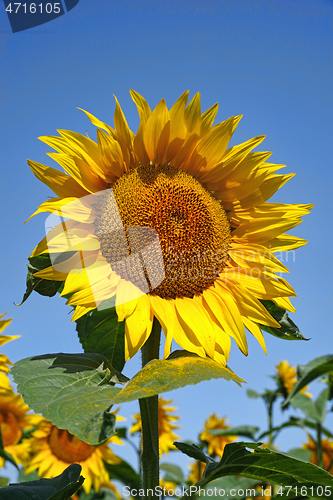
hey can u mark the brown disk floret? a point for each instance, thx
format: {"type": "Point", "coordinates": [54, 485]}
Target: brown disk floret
{"type": "Point", "coordinates": [192, 227]}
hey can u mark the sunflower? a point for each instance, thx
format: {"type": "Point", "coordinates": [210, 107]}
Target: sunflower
{"type": "Point", "coordinates": [287, 378]}
{"type": "Point", "coordinates": [327, 449]}
{"type": "Point", "coordinates": [173, 223]}
{"type": "Point", "coordinates": [216, 444]}
{"type": "Point", "coordinates": [197, 469]}
{"type": "Point", "coordinates": [4, 361]}
{"type": "Point", "coordinates": [52, 450]}
{"type": "Point", "coordinates": [165, 427]}
{"type": "Point", "coordinates": [14, 418]}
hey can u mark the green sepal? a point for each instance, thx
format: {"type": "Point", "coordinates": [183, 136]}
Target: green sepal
{"type": "Point", "coordinates": [58, 488]}
{"type": "Point", "coordinates": [101, 332]}
{"type": "Point", "coordinates": [44, 287]}
{"type": "Point", "coordinates": [288, 330]}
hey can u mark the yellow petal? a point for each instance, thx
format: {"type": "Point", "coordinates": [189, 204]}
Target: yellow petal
{"type": "Point", "coordinates": [256, 332]}
{"type": "Point", "coordinates": [142, 105]}
{"type": "Point", "coordinates": [138, 327]}
{"type": "Point", "coordinates": [61, 184]}
{"type": "Point", "coordinates": [193, 115]}
{"type": "Point", "coordinates": [208, 118]}
{"type": "Point", "coordinates": [157, 132]}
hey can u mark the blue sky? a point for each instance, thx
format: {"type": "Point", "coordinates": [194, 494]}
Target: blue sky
{"type": "Point", "coordinates": [268, 60]}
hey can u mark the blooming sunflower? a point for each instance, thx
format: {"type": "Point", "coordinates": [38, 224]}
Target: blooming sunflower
{"type": "Point", "coordinates": [287, 378]}
{"type": "Point", "coordinates": [327, 449]}
{"type": "Point", "coordinates": [206, 203]}
{"type": "Point", "coordinates": [4, 361]}
{"type": "Point", "coordinates": [13, 419]}
{"type": "Point", "coordinates": [216, 444]}
{"type": "Point", "coordinates": [52, 450]}
{"type": "Point", "coordinates": [165, 428]}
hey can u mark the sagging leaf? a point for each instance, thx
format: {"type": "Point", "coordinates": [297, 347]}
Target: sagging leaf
{"type": "Point", "coordinates": [173, 473]}
{"type": "Point", "coordinates": [252, 394]}
{"type": "Point", "coordinates": [288, 329]}
{"type": "Point", "coordinates": [44, 287]}
{"type": "Point", "coordinates": [101, 332]}
{"type": "Point", "coordinates": [58, 488]}
{"type": "Point", "coordinates": [75, 391]}
{"type": "Point", "coordinates": [251, 461]}
{"type": "Point", "coordinates": [309, 372]}
{"type": "Point", "coordinates": [243, 430]}
{"type": "Point", "coordinates": [125, 473]}
{"type": "Point", "coordinates": [193, 451]}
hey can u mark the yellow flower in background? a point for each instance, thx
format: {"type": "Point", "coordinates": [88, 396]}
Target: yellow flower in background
{"type": "Point", "coordinates": [287, 376]}
{"type": "Point", "coordinates": [216, 444]}
{"type": "Point", "coordinates": [4, 361]}
{"type": "Point", "coordinates": [327, 447]}
{"type": "Point", "coordinates": [52, 450]}
{"type": "Point", "coordinates": [197, 469]}
{"type": "Point", "coordinates": [207, 203]}
{"type": "Point", "coordinates": [14, 418]}
{"type": "Point", "coordinates": [165, 427]}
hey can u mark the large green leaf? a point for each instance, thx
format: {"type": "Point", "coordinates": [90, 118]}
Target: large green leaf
{"type": "Point", "coordinates": [101, 332]}
{"type": "Point", "coordinates": [40, 285]}
{"type": "Point", "coordinates": [249, 460]}
{"type": "Point", "coordinates": [75, 391]}
{"type": "Point", "coordinates": [288, 330]}
{"type": "Point", "coordinates": [309, 372]}
{"type": "Point", "coordinates": [58, 488]}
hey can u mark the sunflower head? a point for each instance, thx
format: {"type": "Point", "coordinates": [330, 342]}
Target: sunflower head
{"type": "Point", "coordinates": [52, 450]}
{"type": "Point", "coordinates": [287, 378]}
{"type": "Point", "coordinates": [216, 444]}
{"type": "Point", "coordinates": [171, 222]}
{"type": "Point", "coordinates": [327, 450]}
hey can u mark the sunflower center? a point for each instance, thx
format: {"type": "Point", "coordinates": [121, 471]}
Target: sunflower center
{"type": "Point", "coordinates": [193, 230]}
{"type": "Point", "coordinates": [67, 447]}
{"type": "Point", "coordinates": [10, 428]}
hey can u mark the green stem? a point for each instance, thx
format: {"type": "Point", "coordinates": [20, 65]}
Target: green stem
{"type": "Point", "coordinates": [319, 448]}
{"type": "Point", "coordinates": [149, 420]}
{"type": "Point", "coordinates": [270, 422]}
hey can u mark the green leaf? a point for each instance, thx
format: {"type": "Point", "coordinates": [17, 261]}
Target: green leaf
{"type": "Point", "coordinates": [253, 394]}
{"type": "Point", "coordinates": [125, 473]}
{"type": "Point", "coordinates": [72, 391]}
{"type": "Point", "coordinates": [320, 404]}
{"type": "Point", "coordinates": [296, 422]}
{"type": "Point", "coordinates": [40, 285]}
{"type": "Point", "coordinates": [59, 488]}
{"type": "Point", "coordinates": [101, 332]}
{"type": "Point", "coordinates": [309, 372]}
{"type": "Point", "coordinates": [231, 487]}
{"type": "Point", "coordinates": [3, 481]}
{"type": "Point", "coordinates": [121, 432]}
{"type": "Point", "coordinates": [300, 453]}
{"type": "Point", "coordinates": [193, 451]}
{"type": "Point", "coordinates": [243, 430]}
{"type": "Point", "coordinates": [173, 473]}
{"type": "Point", "coordinates": [288, 329]}
{"type": "Point", "coordinates": [307, 406]}
{"type": "Point", "coordinates": [75, 391]}
{"type": "Point", "coordinates": [249, 460]}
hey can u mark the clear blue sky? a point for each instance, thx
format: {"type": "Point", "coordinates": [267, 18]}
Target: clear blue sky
{"type": "Point", "coordinates": [269, 60]}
